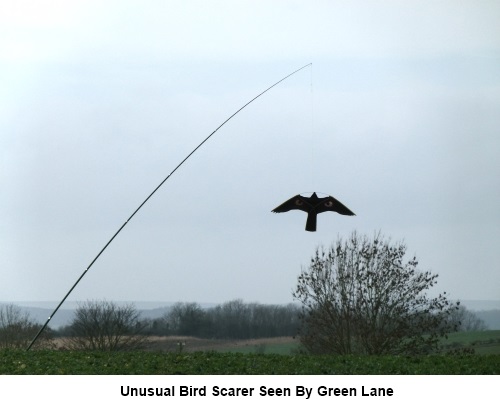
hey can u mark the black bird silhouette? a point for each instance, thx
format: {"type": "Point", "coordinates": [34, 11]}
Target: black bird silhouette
{"type": "Point", "coordinates": [313, 205]}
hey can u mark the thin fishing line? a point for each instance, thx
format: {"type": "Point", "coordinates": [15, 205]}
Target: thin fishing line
{"type": "Point", "coordinates": [150, 195]}
{"type": "Point", "coordinates": [313, 161]}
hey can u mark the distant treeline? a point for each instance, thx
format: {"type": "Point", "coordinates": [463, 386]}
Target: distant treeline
{"type": "Point", "coordinates": [231, 320]}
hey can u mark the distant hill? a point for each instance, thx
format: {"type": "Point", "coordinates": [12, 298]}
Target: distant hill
{"type": "Point", "coordinates": [491, 318]}
{"type": "Point", "coordinates": [481, 305]}
{"type": "Point", "coordinates": [40, 315]}
{"type": "Point", "coordinates": [487, 310]}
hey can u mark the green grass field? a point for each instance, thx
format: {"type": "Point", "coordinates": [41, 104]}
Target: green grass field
{"type": "Point", "coordinates": [54, 362]}
{"type": "Point", "coordinates": [263, 348]}
{"type": "Point", "coordinates": [482, 342]}
{"type": "Point", "coordinates": [274, 356]}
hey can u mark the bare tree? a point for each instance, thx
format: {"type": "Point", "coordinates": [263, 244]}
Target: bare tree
{"type": "Point", "coordinates": [467, 320]}
{"type": "Point", "coordinates": [359, 296]}
{"type": "Point", "coordinates": [103, 325]}
{"type": "Point", "coordinates": [230, 320]}
{"type": "Point", "coordinates": [186, 319]}
{"type": "Point", "coordinates": [17, 328]}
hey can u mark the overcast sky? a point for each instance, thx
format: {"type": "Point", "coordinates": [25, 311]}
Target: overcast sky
{"type": "Point", "coordinates": [398, 118]}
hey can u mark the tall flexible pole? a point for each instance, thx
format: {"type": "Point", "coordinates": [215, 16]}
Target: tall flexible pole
{"type": "Point", "coordinates": [148, 197]}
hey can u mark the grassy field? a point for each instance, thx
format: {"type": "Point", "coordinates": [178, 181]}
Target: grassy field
{"type": "Point", "coordinates": [184, 355]}
{"type": "Point", "coordinates": [215, 363]}
{"type": "Point", "coordinates": [280, 345]}
{"type": "Point", "coordinates": [483, 342]}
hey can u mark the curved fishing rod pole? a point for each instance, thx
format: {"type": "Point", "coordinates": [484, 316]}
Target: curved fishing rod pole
{"type": "Point", "coordinates": [149, 196]}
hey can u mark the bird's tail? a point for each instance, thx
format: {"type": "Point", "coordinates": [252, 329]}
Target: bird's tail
{"type": "Point", "coordinates": [311, 222]}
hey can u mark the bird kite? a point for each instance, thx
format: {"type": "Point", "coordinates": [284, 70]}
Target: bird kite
{"type": "Point", "coordinates": [313, 205]}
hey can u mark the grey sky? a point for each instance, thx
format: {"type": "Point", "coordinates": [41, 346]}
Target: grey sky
{"type": "Point", "coordinates": [398, 118]}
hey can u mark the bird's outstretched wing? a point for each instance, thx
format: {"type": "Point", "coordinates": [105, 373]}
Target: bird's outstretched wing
{"type": "Point", "coordinates": [331, 204]}
{"type": "Point", "coordinates": [295, 203]}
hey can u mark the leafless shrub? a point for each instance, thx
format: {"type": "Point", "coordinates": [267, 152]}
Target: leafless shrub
{"type": "Point", "coordinates": [360, 297]}
{"type": "Point", "coordinates": [17, 329]}
{"type": "Point", "coordinates": [105, 326]}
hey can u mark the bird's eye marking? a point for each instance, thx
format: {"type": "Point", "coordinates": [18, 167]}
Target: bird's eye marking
{"type": "Point", "coordinates": [328, 204]}
{"type": "Point", "coordinates": [298, 202]}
